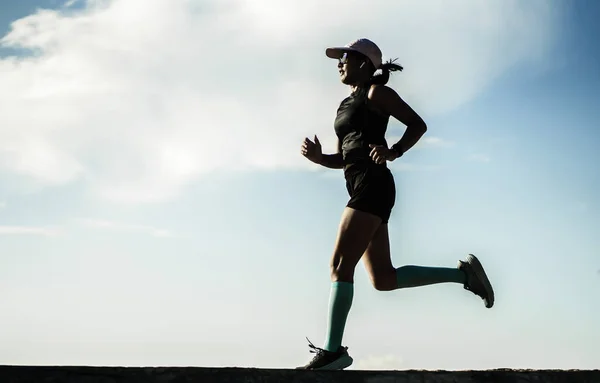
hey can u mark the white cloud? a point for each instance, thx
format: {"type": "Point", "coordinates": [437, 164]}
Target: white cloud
{"type": "Point", "coordinates": [30, 230]}
{"type": "Point", "coordinates": [70, 3]}
{"type": "Point", "coordinates": [138, 98]}
{"type": "Point", "coordinates": [425, 142]}
{"type": "Point", "coordinates": [434, 142]}
{"type": "Point", "coordinates": [124, 227]}
{"type": "Point", "coordinates": [408, 167]}
{"type": "Point", "coordinates": [479, 157]}
{"type": "Point", "coordinates": [384, 362]}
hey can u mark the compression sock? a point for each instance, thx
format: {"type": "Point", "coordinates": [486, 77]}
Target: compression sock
{"type": "Point", "coordinates": [413, 276]}
{"type": "Point", "coordinates": [340, 301]}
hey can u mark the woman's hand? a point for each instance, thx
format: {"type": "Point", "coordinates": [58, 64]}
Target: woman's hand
{"type": "Point", "coordinates": [312, 150]}
{"type": "Point", "coordinates": [380, 154]}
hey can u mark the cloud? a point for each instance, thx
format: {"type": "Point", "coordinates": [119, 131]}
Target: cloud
{"type": "Point", "coordinates": [2, 205]}
{"type": "Point", "coordinates": [384, 362]}
{"type": "Point", "coordinates": [434, 142]}
{"type": "Point", "coordinates": [70, 3]}
{"type": "Point", "coordinates": [408, 167]}
{"type": "Point", "coordinates": [135, 99]}
{"type": "Point", "coordinates": [425, 142]}
{"type": "Point", "coordinates": [124, 227]}
{"type": "Point", "coordinates": [30, 230]}
{"type": "Point", "coordinates": [90, 223]}
{"type": "Point", "coordinates": [479, 157]}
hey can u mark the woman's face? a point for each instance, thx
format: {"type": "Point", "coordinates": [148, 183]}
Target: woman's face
{"type": "Point", "coordinates": [352, 67]}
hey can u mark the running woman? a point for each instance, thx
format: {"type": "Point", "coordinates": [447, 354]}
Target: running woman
{"type": "Point", "coordinates": [363, 153]}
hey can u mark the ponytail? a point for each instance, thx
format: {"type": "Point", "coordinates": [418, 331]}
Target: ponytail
{"type": "Point", "coordinates": [383, 77]}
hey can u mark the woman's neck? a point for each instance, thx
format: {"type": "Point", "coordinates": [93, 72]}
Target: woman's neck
{"type": "Point", "coordinates": [355, 87]}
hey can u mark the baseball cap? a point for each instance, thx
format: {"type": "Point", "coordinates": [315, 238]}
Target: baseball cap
{"type": "Point", "coordinates": [362, 45]}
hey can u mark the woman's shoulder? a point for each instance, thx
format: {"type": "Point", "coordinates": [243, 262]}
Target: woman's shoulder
{"type": "Point", "coordinates": [380, 96]}
{"type": "Point", "coordinates": [381, 92]}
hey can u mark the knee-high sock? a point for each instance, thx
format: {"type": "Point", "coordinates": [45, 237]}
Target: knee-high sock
{"type": "Point", "coordinates": [412, 276]}
{"type": "Point", "coordinates": [340, 301]}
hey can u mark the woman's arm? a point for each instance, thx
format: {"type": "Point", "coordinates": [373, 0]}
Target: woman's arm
{"type": "Point", "coordinates": [388, 101]}
{"type": "Point", "coordinates": [333, 161]}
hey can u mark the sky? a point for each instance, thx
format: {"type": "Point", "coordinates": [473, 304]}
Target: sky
{"type": "Point", "coordinates": [155, 208]}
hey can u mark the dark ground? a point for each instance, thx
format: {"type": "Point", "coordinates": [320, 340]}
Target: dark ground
{"type": "Point", "coordinates": [82, 374]}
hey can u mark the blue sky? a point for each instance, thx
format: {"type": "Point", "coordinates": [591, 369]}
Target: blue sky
{"type": "Point", "coordinates": [155, 210]}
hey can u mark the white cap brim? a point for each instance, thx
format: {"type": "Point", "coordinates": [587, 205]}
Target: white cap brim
{"type": "Point", "coordinates": [337, 52]}
{"type": "Point", "coordinates": [364, 46]}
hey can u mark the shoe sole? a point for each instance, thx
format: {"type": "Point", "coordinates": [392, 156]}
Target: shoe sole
{"type": "Point", "coordinates": [338, 364]}
{"type": "Point", "coordinates": [482, 276]}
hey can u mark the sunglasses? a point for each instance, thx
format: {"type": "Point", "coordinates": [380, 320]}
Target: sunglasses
{"type": "Point", "coordinates": [344, 58]}
{"type": "Point", "coordinates": [347, 55]}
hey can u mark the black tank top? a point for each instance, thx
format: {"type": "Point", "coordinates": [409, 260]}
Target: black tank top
{"type": "Point", "coordinates": [357, 125]}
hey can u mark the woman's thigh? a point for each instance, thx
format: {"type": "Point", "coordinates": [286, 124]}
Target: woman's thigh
{"type": "Point", "coordinates": [355, 232]}
{"type": "Point", "coordinates": [378, 261]}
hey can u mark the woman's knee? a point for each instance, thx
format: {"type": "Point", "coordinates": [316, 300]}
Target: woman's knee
{"type": "Point", "coordinates": [342, 267]}
{"type": "Point", "coordinates": [354, 235]}
{"type": "Point", "coordinates": [384, 281]}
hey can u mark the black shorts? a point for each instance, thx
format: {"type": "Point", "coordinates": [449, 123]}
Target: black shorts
{"type": "Point", "coordinates": [371, 189]}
